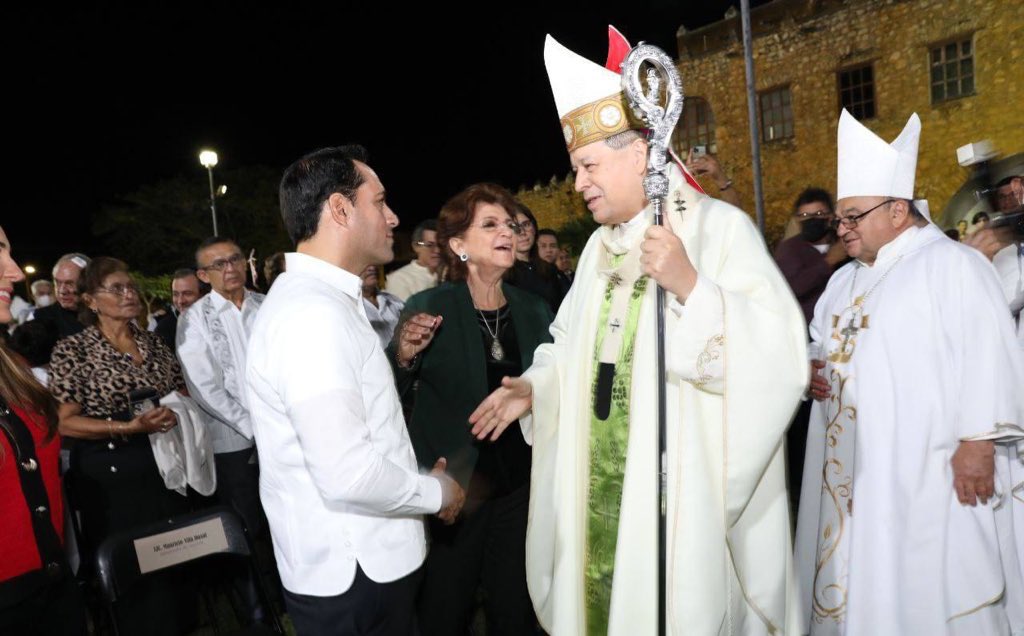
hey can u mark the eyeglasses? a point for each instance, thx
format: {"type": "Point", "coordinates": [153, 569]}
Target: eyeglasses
{"type": "Point", "coordinates": [66, 284]}
{"type": "Point", "coordinates": [430, 245]}
{"type": "Point", "coordinates": [221, 264]}
{"type": "Point", "coordinates": [850, 222]}
{"type": "Point", "coordinates": [820, 212]}
{"type": "Point", "coordinates": [120, 289]}
{"type": "Point", "coordinates": [491, 225]}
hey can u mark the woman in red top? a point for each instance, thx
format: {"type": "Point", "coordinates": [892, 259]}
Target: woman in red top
{"type": "Point", "coordinates": [38, 594]}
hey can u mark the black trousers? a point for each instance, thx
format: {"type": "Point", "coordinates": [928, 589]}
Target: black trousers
{"type": "Point", "coordinates": [56, 609]}
{"type": "Point", "coordinates": [367, 608]}
{"type": "Point", "coordinates": [238, 487]}
{"type": "Point", "coordinates": [485, 549]}
{"type": "Point", "coordinates": [796, 448]}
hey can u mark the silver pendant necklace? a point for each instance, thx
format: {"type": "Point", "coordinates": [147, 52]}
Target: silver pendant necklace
{"type": "Point", "coordinates": [497, 351]}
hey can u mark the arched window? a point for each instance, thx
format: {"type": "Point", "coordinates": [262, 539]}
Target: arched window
{"type": "Point", "coordinates": [696, 127]}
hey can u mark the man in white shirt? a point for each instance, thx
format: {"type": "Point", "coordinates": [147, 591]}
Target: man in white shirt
{"type": "Point", "coordinates": [212, 338]}
{"type": "Point", "coordinates": [339, 480]}
{"type": "Point", "coordinates": [421, 273]}
{"type": "Point", "coordinates": [211, 341]}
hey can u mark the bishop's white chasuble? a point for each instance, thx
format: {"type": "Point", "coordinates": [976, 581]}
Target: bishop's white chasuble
{"type": "Point", "coordinates": [920, 354]}
{"type": "Point", "coordinates": [737, 366]}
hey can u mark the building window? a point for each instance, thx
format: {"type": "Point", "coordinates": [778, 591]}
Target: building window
{"type": "Point", "coordinates": [952, 70]}
{"type": "Point", "coordinates": [696, 127]}
{"type": "Point", "coordinates": [857, 91]}
{"type": "Point", "coordinates": [776, 114]}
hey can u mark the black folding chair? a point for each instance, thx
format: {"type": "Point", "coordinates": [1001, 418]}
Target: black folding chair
{"type": "Point", "coordinates": [217, 533]}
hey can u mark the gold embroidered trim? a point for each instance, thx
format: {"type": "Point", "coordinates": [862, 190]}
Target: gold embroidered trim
{"type": "Point", "coordinates": [595, 121]}
{"type": "Point", "coordinates": [980, 607]}
{"type": "Point", "coordinates": [1002, 428]}
{"type": "Point", "coordinates": [712, 351]}
{"type": "Point", "coordinates": [830, 603]}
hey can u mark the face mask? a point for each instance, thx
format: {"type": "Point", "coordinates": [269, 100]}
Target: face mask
{"type": "Point", "coordinates": [813, 230]}
{"type": "Point", "coordinates": [44, 300]}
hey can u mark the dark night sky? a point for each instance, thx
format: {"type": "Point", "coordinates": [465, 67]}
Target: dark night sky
{"type": "Point", "coordinates": [102, 101]}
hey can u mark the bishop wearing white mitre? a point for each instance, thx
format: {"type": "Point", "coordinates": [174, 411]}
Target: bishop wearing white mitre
{"type": "Point", "coordinates": [905, 523]}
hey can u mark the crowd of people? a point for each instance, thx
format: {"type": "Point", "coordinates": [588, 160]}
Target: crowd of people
{"type": "Point", "coordinates": [475, 432]}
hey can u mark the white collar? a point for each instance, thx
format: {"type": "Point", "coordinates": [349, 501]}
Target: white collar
{"type": "Point", "coordinates": [416, 264]}
{"type": "Point", "coordinates": [345, 281]}
{"type": "Point", "coordinates": [894, 248]}
{"type": "Point", "coordinates": [220, 302]}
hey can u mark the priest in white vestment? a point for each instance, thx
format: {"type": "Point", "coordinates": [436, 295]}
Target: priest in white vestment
{"type": "Point", "coordinates": [736, 370]}
{"type": "Point", "coordinates": [905, 523]}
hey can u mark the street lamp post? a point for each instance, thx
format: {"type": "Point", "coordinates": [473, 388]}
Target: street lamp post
{"type": "Point", "coordinates": [29, 271]}
{"type": "Point", "coordinates": [208, 159]}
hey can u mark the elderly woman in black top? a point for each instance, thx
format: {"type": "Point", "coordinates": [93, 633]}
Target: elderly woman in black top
{"type": "Point", "coordinates": [458, 341]}
{"type": "Point", "coordinates": [114, 482]}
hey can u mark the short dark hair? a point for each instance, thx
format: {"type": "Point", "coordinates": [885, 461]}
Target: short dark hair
{"type": "Point", "coordinates": [92, 279]}
{"type": "Point", "coordinates": [190, 272]}
{"type": "Point", "coordinates": [547, 232]}
{"type": "Point", "coordinates": [430, 225]}
{"type": "Point", "coordinates": [979, 217]}
{"type": "Point", "coordinates": [815, 195]}
{"type": "Point", "coordinates": [457, 215]}
{"type": "Point", "coordinates": [311, 180]}
{"type": "Point", "coordinates": [211, 241]}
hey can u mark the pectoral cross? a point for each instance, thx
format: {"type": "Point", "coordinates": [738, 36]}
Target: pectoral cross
{"type": "Point", "coordinates": [849, 335]}
{"type": "Point", "coordinates": [680, 203]}
{"type": "Point", "coordinates": [615, 325]}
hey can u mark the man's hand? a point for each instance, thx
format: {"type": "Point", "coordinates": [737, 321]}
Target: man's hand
{"type": "Point", "coordinates": [452, 494]}
{"type": "Point", "coordinates": [499, 409]}
{"type": "Point", "coordinates": [663, 258]}
{"type": "Point", "coordinates": [706, 165]}
{"type": "Point", "coordinates": [836, 254]}
{"type": "Point", "coordinates": [974, 468]}
{"type": "Point", "coordinates": [820, 388]}
{"type": "Point", "coordinates": [988, 241]}
{"type": "Point", "coordinates": [416, 333]}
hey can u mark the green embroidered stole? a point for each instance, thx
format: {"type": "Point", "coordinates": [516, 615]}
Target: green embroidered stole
{"type": "Point", "coordinates": [608, 445]}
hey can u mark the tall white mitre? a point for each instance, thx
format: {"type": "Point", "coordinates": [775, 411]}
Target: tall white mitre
{"type": "Point", "coordinates": [870, 167]}
{"type": "Point", "coordinates": [588, 96]}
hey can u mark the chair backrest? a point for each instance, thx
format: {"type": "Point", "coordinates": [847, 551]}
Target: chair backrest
{"type": "Point", "coordinates": [125, 557]}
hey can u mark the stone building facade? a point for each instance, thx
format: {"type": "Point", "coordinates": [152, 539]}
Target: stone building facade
{"type": "Point", "coordinates": [957, 63]}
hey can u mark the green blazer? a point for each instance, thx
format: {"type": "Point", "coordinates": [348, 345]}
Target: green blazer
{"type": "Point", "coordinates": [452, 371]}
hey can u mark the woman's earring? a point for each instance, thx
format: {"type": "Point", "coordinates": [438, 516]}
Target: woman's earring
{"type": "Point", "coordinates": [463, 257]}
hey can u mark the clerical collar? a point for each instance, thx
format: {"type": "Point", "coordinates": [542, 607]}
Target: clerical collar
{"type": "Point", "coordinates": [633, 222]}
{"type": "Point", "coordinates": [894, 248]}
{"type": "Point", "coordinates": [823, 249]}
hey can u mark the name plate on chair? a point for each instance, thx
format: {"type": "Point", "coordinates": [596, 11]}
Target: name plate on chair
{"type": "Point", "coordinates": [163, 550]}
